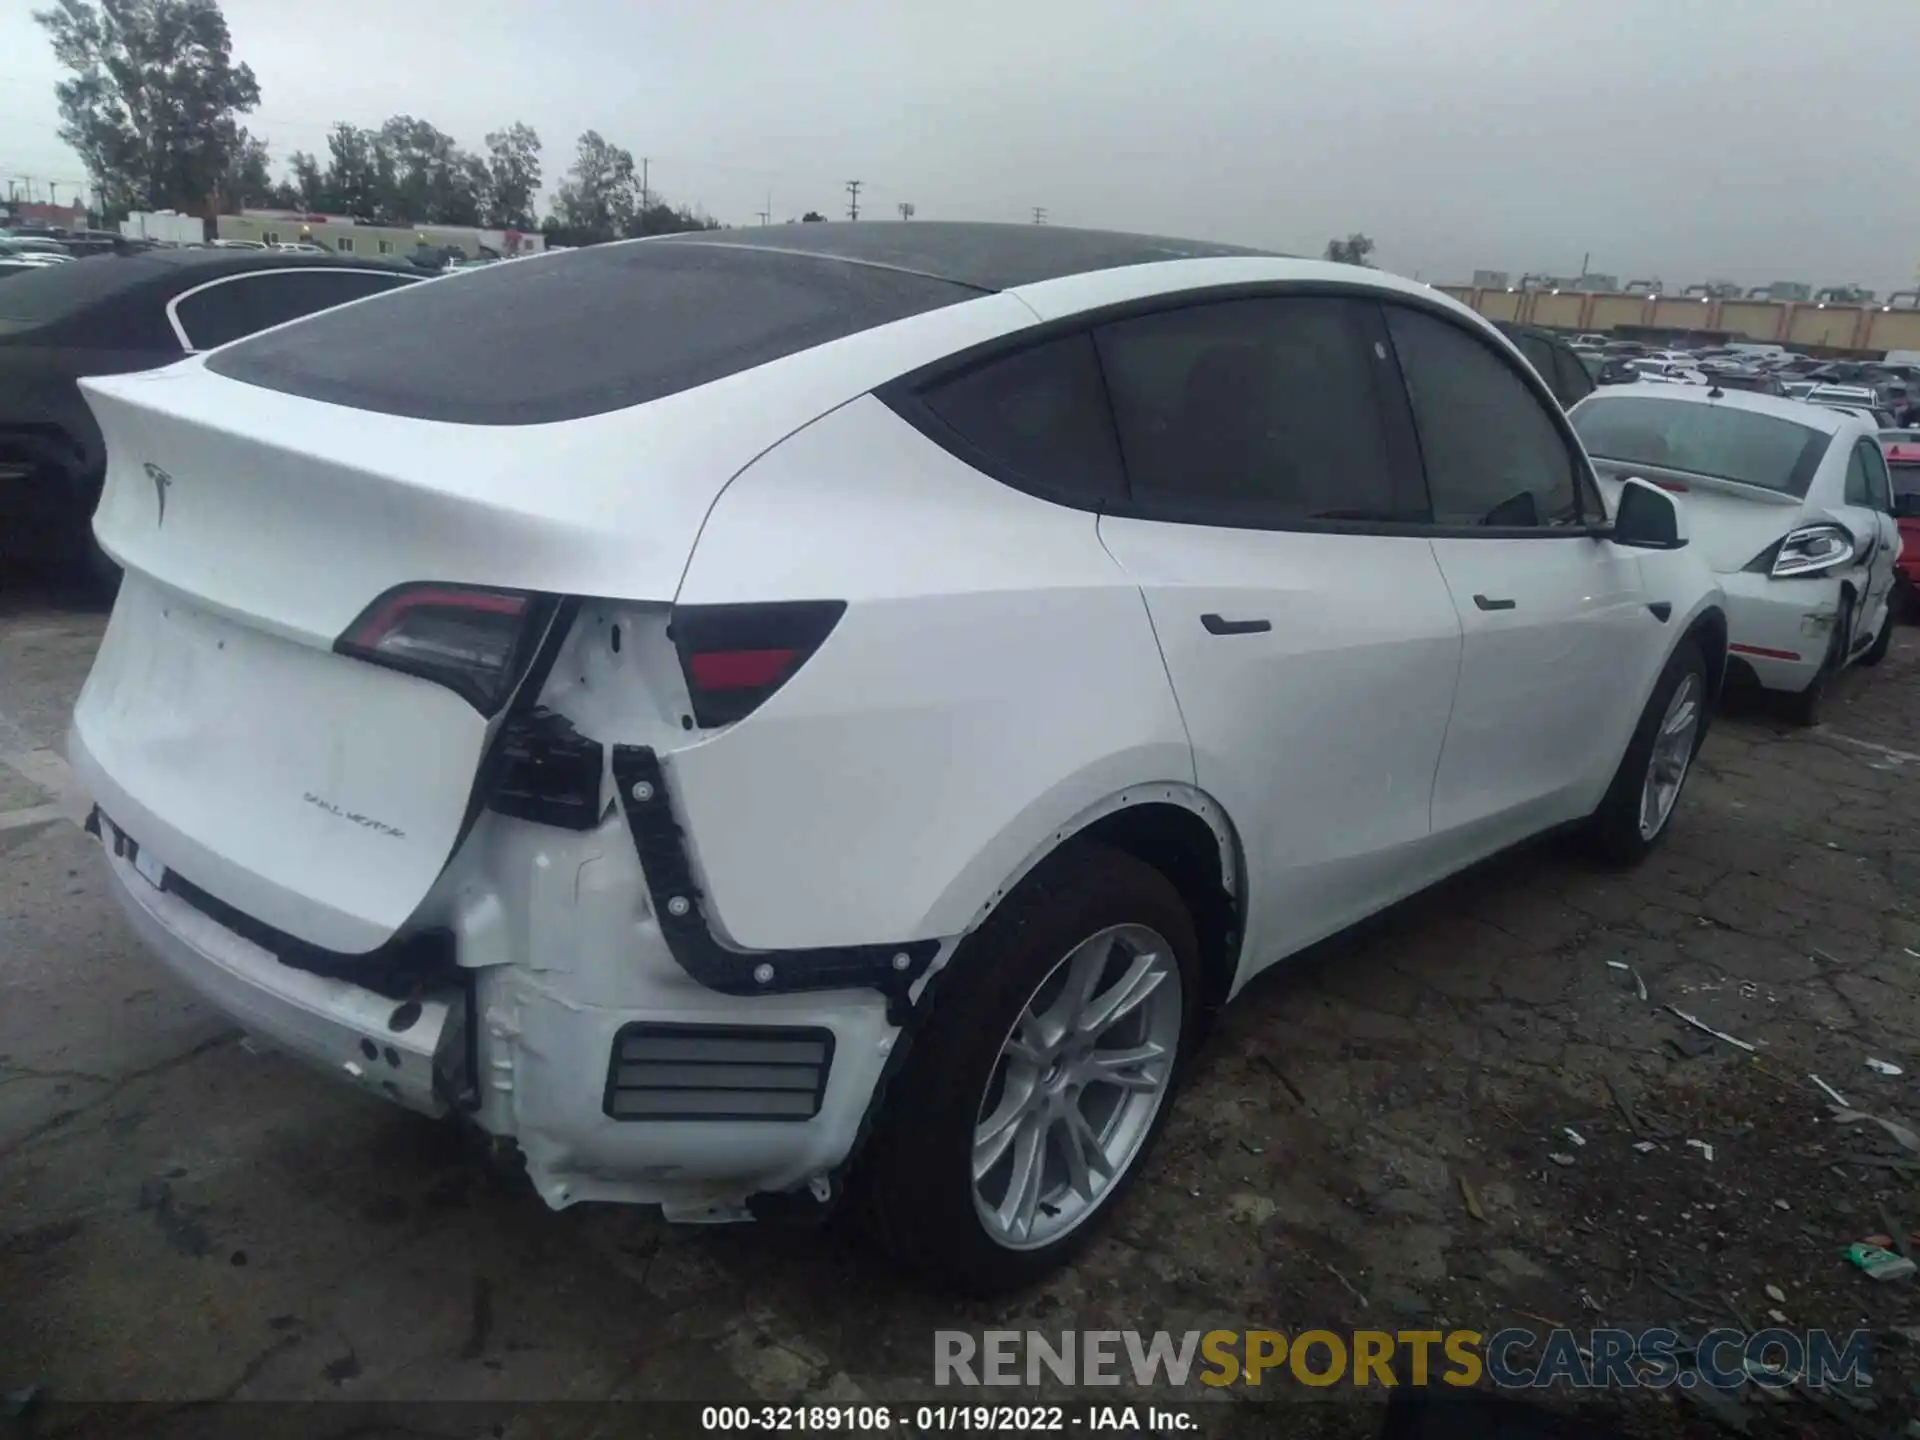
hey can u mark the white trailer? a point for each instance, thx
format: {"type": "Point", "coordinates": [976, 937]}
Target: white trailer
{"type": "Point", "coordinates": [168, 226]}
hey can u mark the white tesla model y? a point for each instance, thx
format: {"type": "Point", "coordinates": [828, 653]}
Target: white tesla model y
{"type": "Point", "coordinates": [771, 715]}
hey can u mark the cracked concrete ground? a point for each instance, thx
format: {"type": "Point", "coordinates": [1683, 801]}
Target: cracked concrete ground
{"type": "Point", "coordinates": [183, 1219]}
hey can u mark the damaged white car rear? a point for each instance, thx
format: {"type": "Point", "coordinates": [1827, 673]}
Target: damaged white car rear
{"type": "Point", "coordinates": [747, 718]}
{"type": "Point", "coordinates": [1790, 503]}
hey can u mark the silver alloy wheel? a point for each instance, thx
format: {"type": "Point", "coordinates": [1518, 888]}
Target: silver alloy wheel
{"type": "Point", "coordinates": [1672, 754]}
{"type": "Point", "coordinates": [1075, 1088]}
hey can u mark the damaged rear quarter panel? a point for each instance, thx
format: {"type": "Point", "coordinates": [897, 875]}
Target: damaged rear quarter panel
{"type": "Point", "coordinates": [568, 953]}
{"type": "Point", "coordinates": [994, 675]}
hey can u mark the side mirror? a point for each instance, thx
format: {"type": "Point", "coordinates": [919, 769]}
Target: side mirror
{"type": "Point", "coordinates": [1648, 518]}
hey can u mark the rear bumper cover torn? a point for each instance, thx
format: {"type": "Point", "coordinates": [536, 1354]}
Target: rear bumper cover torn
{"type": "Point", "coordinates": [411, 1052]}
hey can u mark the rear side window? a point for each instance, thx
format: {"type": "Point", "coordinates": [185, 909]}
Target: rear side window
{"type": "Point", "coordinates": [1493, 454]}
{"type": "Point", "coordinates": [1859, 490]}
{"type": "Point", "coordinates": [1256, 412]}
{"type": "Point", "coordinates": [1867, 478]}
{"type": "Point", "coordinates": [558, 337]}
{"type": "Point", "coordinates": [1037, 418]}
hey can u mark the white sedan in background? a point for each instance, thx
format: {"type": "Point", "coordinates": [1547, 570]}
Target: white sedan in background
{"type": "Point", "coordinates": [1791, 503]}
{"type": "Point", "coordinates": [1662, 371]}
{"type": "Point", "coordinates": [762, 715]}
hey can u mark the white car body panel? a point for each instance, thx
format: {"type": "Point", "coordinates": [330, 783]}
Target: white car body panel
{"type": "Point", "coordinates": [311, 813]}
{"type": "Point", "coordinates": [1007, 672]}
{"type": "Point", "coordinates": [1056, 299]}
{"type": "Point", "coordinates": [1336, 713]}
{"type": "Point", "coordinates": [1008, 620]}
{"type": "Point", "coordinates": [1548, 667]}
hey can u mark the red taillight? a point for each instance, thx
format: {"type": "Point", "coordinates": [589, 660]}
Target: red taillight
{"type": "Point", "coordinates": [474, 641]}
{"type": "Point", "coordinates": [735, 656]}
{"type": "Point", "coordinates": [740, 669]}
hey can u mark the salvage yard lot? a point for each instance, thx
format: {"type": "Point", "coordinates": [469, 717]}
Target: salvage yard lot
{"type": "Point", "coordinates": [183, 1219]}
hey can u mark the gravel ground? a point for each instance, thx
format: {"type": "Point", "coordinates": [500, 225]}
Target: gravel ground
{"type": "Point", "coordinates": [1367, 1142]}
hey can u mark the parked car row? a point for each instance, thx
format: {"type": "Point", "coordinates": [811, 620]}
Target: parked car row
{"type": "Point", "coordinates": [1888, 389]}
{"type": "Point", "coordinates": [50, 244]}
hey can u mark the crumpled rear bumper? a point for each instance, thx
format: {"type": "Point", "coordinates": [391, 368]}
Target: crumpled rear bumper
{"type": "Point", "coordinates": [410, 1053]}
{"type": "Point", "coordinates": [562, 966]}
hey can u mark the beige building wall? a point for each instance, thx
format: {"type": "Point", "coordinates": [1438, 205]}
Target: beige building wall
{"type": "Point", "coordinates": [1678, 314]}
{"type": "Point", "coordinates": [1894, 330]}
{"type": "Point", "coordinates": [1834, 325]}
{"type": "Point", "coordinates": [1562, 310]}
{"type": "Point", "coordinates": [1612, 311]}
{"type": "Point", "coordinates": [1752, 320]}
{"type": "Point", "coordinates": [1500, 304]}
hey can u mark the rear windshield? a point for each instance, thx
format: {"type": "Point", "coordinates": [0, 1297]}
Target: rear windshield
{"type": "Point", "coordinates": [1714, 440]}
{"type": "Point", "coordinates": [558, 337]}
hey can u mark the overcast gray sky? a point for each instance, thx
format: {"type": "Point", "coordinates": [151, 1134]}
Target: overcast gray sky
{"type": "Point", "coordinates": [1747, 139]}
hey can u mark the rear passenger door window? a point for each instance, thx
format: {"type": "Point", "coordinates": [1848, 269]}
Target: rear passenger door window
{"type": "Point", "coordinates": [1494, 455]}
{"type": "Point", "coordinates": [1258, 413]}
{"type": "Point", "coordinates": [1037, 419]}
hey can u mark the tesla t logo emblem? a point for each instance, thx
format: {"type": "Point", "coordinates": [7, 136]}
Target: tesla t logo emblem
{"type": "Point", "coordinates": [161, 483]}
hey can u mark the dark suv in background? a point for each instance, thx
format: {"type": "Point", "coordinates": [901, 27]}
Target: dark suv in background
{"type": "Point", "coordinates": [109, 314]}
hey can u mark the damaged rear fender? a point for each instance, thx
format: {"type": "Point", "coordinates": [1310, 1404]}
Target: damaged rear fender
{"type": "Point", "coordinates": [1160, 821]}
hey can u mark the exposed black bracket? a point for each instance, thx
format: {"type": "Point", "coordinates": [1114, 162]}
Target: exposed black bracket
{"type": "Point", "coordinates": [548, 772]}
{"type": "Point", "coordinates": [648, 806]}
{"type": "Point", "coordinates": [1662, 610]}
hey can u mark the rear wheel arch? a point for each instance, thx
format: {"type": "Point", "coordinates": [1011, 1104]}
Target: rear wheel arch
{"type": "Point", "coordinates": [1183, 833]}
{"type": "Point", "coordinates": [1709, 632]}
{"type": "Point", "coordinates": [1850, 598]}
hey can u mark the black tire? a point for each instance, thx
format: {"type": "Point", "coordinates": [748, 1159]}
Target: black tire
{"type": "Point", "coordinates": [913, 1185]}
{"type": "Point", "coordinates": [1804, 708]}
{"type": "Point", "coordinates": [1613, 830]}
{"type": "Point", "coordinates": [61, 522]}
{"type": "Point", "coordinates": [1877, 651]}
